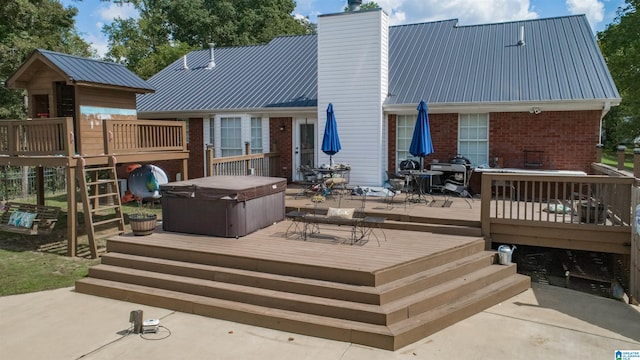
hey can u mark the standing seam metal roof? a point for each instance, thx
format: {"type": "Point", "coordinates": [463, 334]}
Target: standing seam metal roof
{"type": "Point", "coordinates": [439, 62]}
{"type": "Point", "coordinates": [95, 71]}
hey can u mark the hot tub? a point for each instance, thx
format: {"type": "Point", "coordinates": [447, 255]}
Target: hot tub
{"type": "Point", "coordinates": [224, 206]}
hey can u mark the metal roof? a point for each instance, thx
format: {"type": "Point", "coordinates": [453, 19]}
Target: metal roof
{"type": "Point", "coordinates": [439, 62]}
{"type": "Point", "coordinates": [443, 63]}
{"type": "Point", "coordinates": [281, 73]}
{"type": "Point", "coordinates": [81, 69]}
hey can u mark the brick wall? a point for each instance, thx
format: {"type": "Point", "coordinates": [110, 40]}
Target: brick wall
{"type": "Point", "coordinates": [567, 138]}
{"type": "Point", "coordinates": [281, 141]}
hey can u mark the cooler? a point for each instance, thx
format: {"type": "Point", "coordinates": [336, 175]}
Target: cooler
{"type": "Point", "coordinates": [225, 206]}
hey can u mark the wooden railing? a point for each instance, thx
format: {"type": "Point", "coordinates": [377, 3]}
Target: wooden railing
{"type": "Point", "coordinates": [124, 136]}
{"type": "Point", "coordinates": [41, 137]}
{"type": "Point", "coordinates": [571, 212]}
{"type": "Point", "coordinates": [264, 164]}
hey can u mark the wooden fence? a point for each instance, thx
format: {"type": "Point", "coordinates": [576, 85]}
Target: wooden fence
{"type": "Point", "coordinates": [143, 135]}
{"type": "Point", "coordinates": [42, 137]}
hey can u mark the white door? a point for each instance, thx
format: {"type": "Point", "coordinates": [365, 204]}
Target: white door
{"type": "Point", "coordinates": [304, 145]}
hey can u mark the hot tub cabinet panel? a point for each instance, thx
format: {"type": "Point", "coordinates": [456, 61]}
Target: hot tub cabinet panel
{"type": "Point", "coordinates": [225, 206]}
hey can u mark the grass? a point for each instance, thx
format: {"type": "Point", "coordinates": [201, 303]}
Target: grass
{"type": "Point", "coordinates": [39, 262]}
{"type": "Point", "coordinates": [611, 159]}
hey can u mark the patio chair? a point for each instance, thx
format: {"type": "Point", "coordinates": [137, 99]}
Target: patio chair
{"type": "Point", "coordinates": [458, 186]}
{"type": "Point", "coordinates": [395, 185]}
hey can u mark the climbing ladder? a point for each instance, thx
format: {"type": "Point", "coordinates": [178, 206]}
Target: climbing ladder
{"type": "Point", "coordinates": [103, 216]}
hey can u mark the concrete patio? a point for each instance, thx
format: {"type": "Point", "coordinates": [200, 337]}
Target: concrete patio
{"type": "Point", "coordinates": [544, 322]}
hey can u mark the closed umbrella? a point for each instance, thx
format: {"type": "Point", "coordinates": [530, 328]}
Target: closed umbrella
{"type": "Point", "coordinates": [421, 144]}
{"type": "Point", "coordinates": [331, 140]}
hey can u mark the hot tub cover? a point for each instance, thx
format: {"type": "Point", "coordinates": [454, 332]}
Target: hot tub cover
{"type": "Point", "coordinates": [237, 188]}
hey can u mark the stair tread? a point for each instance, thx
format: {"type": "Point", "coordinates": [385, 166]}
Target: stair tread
{"type": "Point", "coordinates": [250, 308]}
{"type": "Point", "coordinates": [364, 294]}
{"type": "Point", "coordinates": [473, 279]}
{"type": "Point", "coordinates": [157, 262]}
{"type": "Point", "coordinates": [515, 280]}
{"type": "Point", "coordinates": [250, 290]}
{"type": "Point", "coordinates": [425, 323]}
{"type": "Point", "coordinates": [106, 235]}
{"type": "Point", "coordinates": [108, 221]}
{"type": "Point", "coordinates": [105, 207]}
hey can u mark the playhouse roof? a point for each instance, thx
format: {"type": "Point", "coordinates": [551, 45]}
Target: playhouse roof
{"type": "Point", "coordinates": [78, 70]}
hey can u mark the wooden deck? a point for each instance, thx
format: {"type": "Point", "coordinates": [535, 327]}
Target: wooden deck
{"type": "Point", "coordinates": [384, 295]}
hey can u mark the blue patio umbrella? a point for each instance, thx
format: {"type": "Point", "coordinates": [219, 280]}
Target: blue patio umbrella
{"type": "Point", "coordinates": [421, 144]}
{"type": "Point", "coordinates": [331, 140]}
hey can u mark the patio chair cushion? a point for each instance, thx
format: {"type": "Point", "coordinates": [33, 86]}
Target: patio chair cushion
{"type": "Point", "coordinates": [341, 213]}
{"type": "Point", "coordinates": [22, 219]}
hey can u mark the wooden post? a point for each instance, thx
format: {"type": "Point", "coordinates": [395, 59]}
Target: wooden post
{"type": "Point", "coordinates": [485, 209]}
{"type": "Point", "coordinates": [636, 163]}
{"type": "Point", "coordinates": [40, 184]}
{"type": "Point", "coordinates": [247, 151]}
{"type": "Point", "coordinates": [599, 148]}
{"type": "Point", "coordinates": [621, 149]}
{"type": "Point", "coordinates": [210, 153]}
{"type": "Point", "coordinates": [185, 169]}
{"type": "Point", "coordinates": [72, 211]}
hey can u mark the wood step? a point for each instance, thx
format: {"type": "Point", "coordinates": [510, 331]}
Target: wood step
{"type": "Point", "coordinates": [363, 294]}
{"type": "Point", "coordinates": [430, 322]}
{"type": "Point", "coordinates": [447, 292]}
{"type": "Point", "coordinates": [199, 251]}
{"type": "Point", "coordinates": [433, 228]}
{"type": "Point", "coordinates": [95, 169]}
{"type": "Point", "coordinates": [103, 195]}
{"type": "Point", "coordinates": [105, 207]}
{"type": "Point", "coordinates": [391, 338]}
{"type": "Point", "coordinates": [317, 305]}
{"type": "Point", "coordinates": [245, 294]}
{"type": "Point", "coordinates": [107, 221]}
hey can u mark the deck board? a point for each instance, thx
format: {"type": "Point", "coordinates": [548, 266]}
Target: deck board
{"type": "Point", "coordinates": [270, 244]}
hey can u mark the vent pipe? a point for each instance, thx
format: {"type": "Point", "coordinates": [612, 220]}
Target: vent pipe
{"type": "Point", "coordinates": [184, 63]}
{"type": "Point", "coordinates": [212, 63]}
{"type": "Point", "coordinates": [521, 38]}
{"type": "Point", "coordinates": [354, 5]}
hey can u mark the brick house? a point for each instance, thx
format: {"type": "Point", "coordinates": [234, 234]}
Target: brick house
{"type": "Point", "coordinates": [495, 92]}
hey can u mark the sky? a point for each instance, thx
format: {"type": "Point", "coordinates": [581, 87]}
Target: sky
{"type": "Point", "coordinates": [93, 14]}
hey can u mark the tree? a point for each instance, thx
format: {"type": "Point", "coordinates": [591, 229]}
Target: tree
{"type": "Point", "coordinates": [620, 46]}
{"type": "Point", "coordinates": [168, 29]}
{"type": "Point", "coordinates": [366, 6]}
{"type": "Point", "coordinates": [26, 25]}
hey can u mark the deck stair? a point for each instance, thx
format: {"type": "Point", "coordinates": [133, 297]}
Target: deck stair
{"type": "Point", "coordinates": [101, 202]}
{"type": "Point", "coordinates": [387, 308]}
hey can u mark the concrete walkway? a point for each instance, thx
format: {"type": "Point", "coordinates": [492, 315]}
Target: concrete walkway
{"type": "Point", "coordinates": [544, 322]}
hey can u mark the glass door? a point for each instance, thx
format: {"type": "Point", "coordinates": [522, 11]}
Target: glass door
{"type": "Point", "coordinates": [305, 145]}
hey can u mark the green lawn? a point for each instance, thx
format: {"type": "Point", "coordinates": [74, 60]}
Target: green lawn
{"type": "Point", "coordinates": [611, 159]}
{"type": "Point", "coordinates": [35, 263]}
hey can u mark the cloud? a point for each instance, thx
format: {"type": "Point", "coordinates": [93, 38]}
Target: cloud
{"type": "Point", "coordinates": [97, 42]}
{"type": "Point", "coordinates": [467, 11]}
{"type": "Point", "coordinates": [113, 11]}
{"type": "Point", "coordinates": [593, 9]}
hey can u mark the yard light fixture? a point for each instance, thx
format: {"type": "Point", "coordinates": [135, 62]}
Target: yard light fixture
{"type": "Point", "coordinates": [535, 110]}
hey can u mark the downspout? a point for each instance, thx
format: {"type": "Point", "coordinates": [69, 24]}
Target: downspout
{"type": "Point", "coordinates": [605, 110]}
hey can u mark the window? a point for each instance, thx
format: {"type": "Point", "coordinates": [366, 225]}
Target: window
{"type": "Point", "coordinates": [404, 133]}
{"type": "Point", "coordinates": [473, 137]}
{"type": "Point", "coordinates": [256, 135]}
{"type": "Point", "coordinates": [231, 136]}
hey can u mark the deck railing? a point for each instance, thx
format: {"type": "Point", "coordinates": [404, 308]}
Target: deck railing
{"type": "Point", "coordinates": [143, 135]}
{"type": "Point", "coordinates": [41, 137]}
{"type": "Point", "coordinates": [55, 136]}
{"type": "Point", "coordinates": [573, 212]}
{"type": "Point", "coordinates": [263, 164]}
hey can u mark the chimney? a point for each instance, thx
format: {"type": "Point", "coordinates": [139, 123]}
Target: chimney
{"type": "Point", "coordinates": [521, 38]}
{"type": "Point", "coordinates": [184, 63]}
{"type": "Point", "coordinates": [354, 5]}
{"type": "Point", "coordinates": [212, 63]}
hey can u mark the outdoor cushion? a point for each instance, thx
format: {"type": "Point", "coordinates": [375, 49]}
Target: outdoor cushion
{"type": "Point", "coordinates": [340, 213]}
{"type": "Point", "coordinates": [22, 219]}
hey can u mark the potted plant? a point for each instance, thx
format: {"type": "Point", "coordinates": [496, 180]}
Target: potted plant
{"type": "Point", "coordinates": [143, 222]}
